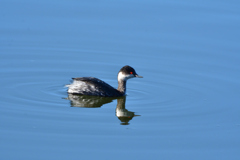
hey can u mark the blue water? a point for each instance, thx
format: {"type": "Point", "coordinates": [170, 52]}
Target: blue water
{"type": "Point", "coordinates": [185, 107]}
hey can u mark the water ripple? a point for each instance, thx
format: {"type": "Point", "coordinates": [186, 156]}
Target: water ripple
{"type": "Point", "coordinates": [169, 90]}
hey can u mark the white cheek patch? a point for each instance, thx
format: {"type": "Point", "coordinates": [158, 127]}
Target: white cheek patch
{"type": "Point", "coordinates": [123, 77]}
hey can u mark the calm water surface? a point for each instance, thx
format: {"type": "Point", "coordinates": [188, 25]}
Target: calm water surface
{"type": "Point", "coordinates": [185, 107]}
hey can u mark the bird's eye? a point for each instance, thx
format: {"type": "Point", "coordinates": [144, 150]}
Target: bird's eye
{"type": "Point", "coordinates": [131, 72]}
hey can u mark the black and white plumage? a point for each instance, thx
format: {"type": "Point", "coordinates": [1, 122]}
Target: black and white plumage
{"type": "Point", "coordinates": [96, 87]}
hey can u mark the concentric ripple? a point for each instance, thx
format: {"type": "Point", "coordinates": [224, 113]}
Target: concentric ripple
{"type": "Point", "coordinates": [32, 91]}
{"type": "Point", "coordinates": [171, 90]}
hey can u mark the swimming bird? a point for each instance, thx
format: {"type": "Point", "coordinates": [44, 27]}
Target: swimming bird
{"type": "Point", "coordinates": [96, 87]}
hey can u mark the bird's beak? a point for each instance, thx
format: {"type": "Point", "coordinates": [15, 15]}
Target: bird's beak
{"type": "Point", "coordinates": [138, 76]}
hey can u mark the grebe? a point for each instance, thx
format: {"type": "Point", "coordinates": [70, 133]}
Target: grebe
{"type": "Point", "coordinates": [96, 87]}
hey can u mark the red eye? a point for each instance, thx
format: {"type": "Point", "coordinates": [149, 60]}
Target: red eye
{"type": "Point", "coordinates": [131, 72]}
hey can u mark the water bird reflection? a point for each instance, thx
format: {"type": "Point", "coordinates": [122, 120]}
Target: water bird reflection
{"type": "Point", "coordinates": [95, 101]}
{"type": "Point", "coordinates": [122, 113]}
